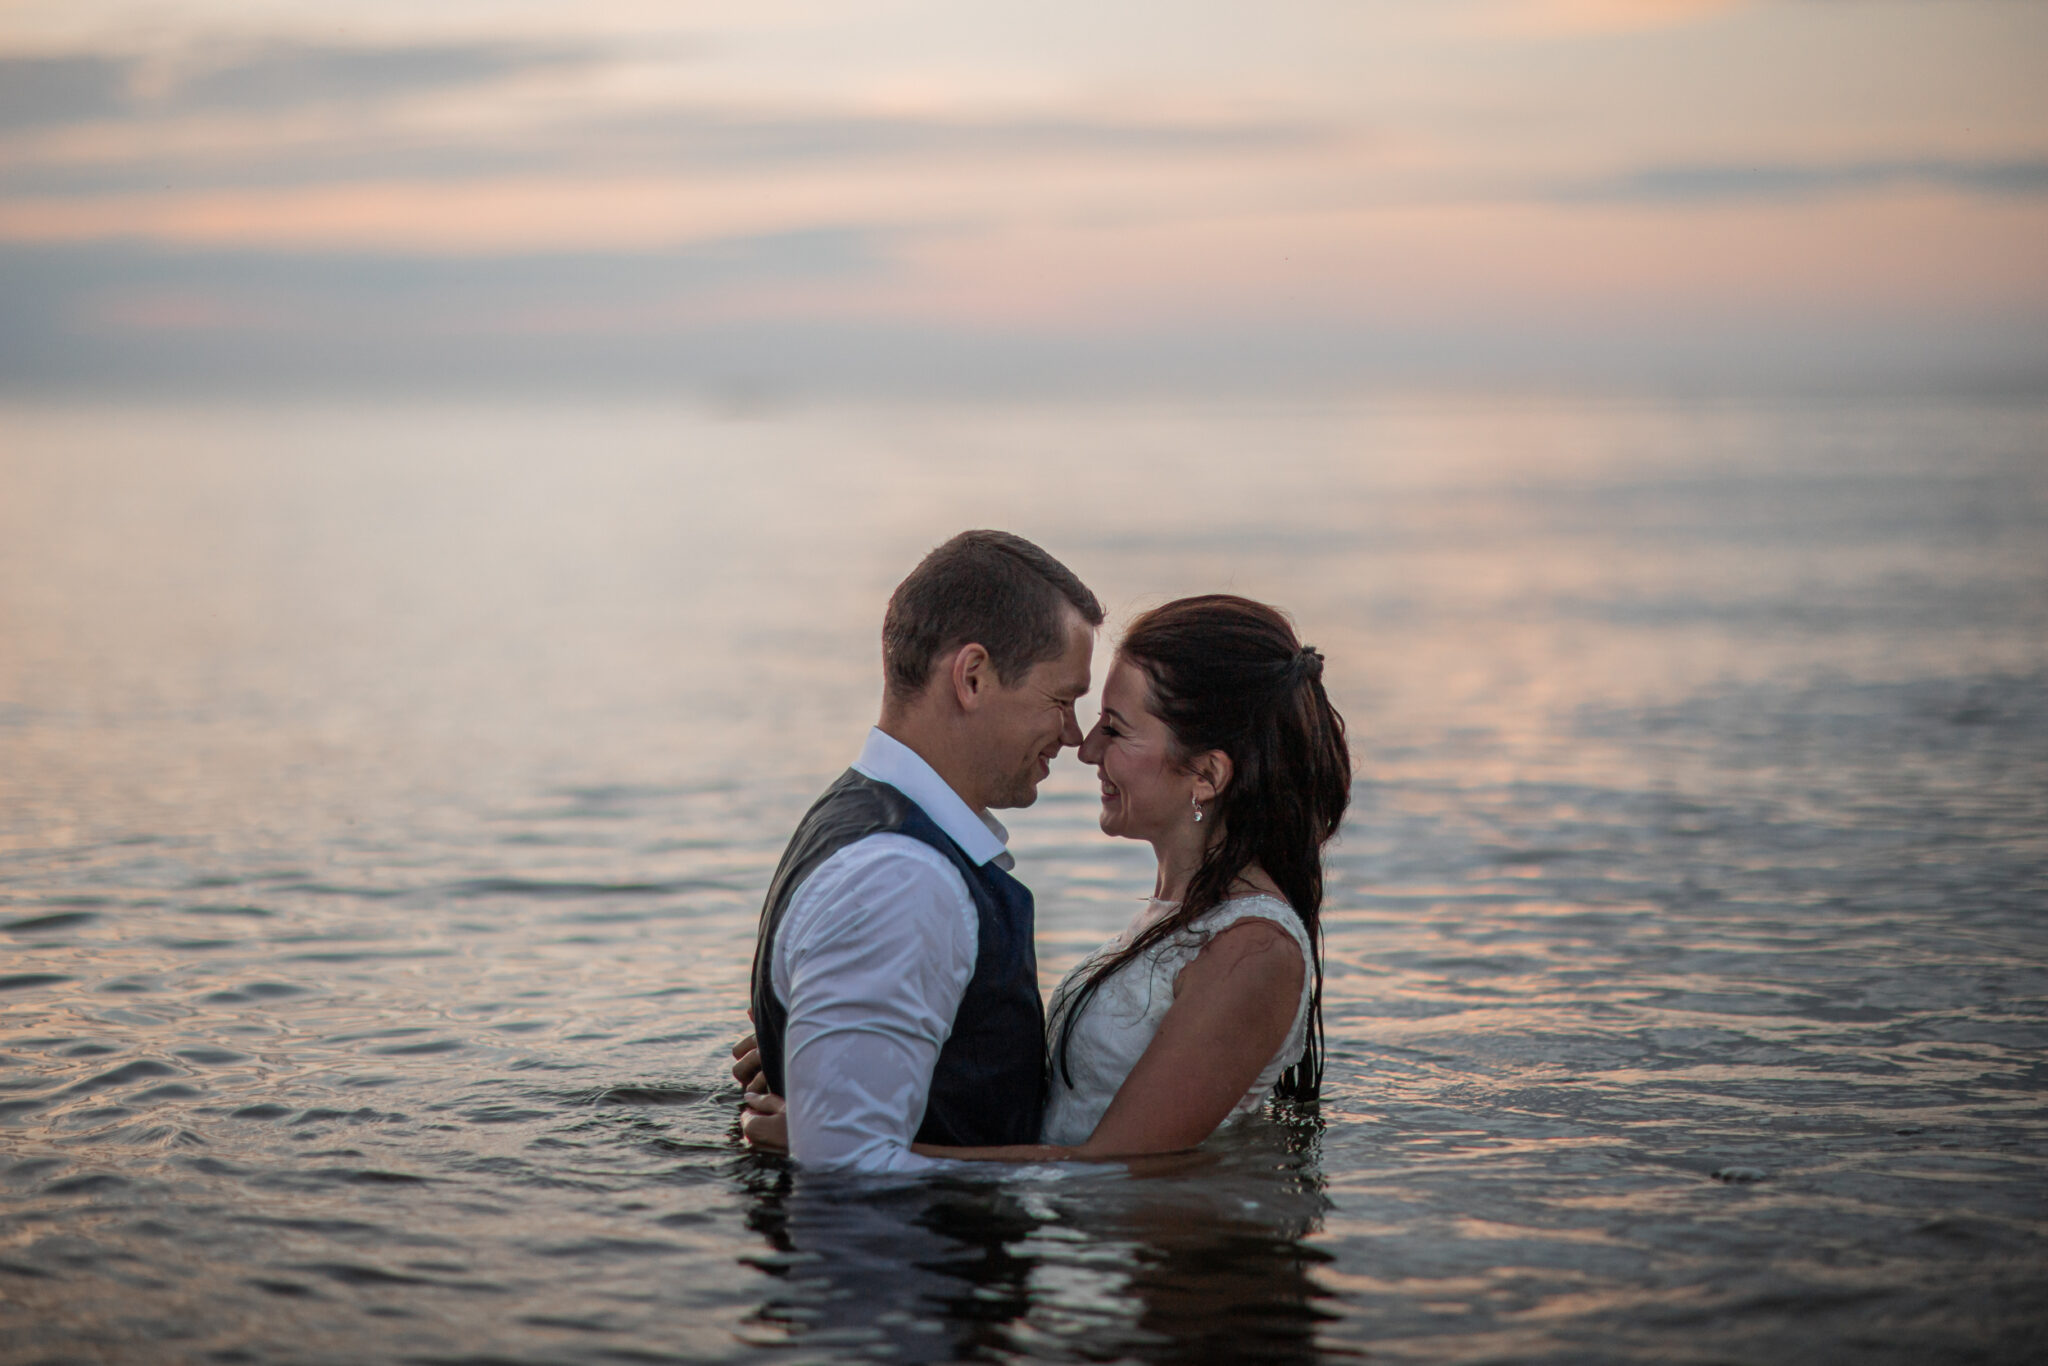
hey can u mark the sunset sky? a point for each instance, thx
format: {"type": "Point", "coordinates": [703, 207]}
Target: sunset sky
{"type": "Point", "coordinates": [489, 193]}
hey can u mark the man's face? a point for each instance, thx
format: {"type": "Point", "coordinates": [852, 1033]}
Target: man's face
{"type": "Point", "coordinates": [1026, 726]}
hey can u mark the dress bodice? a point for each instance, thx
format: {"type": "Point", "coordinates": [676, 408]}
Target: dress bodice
{"type": "Point", "coordinates": [1117, 1023]}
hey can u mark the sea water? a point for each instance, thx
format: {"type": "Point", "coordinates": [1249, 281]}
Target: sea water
{"type": "Point", "coordinates": [387, 794]}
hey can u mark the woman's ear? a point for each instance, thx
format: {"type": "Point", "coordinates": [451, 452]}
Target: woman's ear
{"type": "Point", "coordinates": [1212, 772]}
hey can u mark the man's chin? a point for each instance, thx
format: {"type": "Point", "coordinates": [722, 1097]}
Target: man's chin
{"type": "Point", "coordinates": [1023, 793]}
{"type": "Point", "coordinates": [1024, 796]}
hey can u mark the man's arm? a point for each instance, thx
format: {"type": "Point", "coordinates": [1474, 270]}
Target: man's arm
{"type": "Point", "coordinates": [871, 960]}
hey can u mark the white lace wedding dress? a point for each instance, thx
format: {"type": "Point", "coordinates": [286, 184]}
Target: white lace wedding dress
{"type": "Point", "coordinates": [1120, 1019]}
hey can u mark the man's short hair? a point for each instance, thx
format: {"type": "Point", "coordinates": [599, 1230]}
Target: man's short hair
{"type": "Point", "coordinates": [988, 588]}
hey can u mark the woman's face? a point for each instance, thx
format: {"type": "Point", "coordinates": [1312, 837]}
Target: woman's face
{"type": "Point", "coordinates": [1146, 794]}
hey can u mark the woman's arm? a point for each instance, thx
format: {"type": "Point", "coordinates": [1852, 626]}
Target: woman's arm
{"type": "Point", "coordinates": [765, 1124]}
{"type": "Point", "coordinates": [1231, 1012]}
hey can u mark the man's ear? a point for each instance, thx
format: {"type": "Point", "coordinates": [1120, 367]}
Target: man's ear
{"type": "Point", "coordinates": [972, 674]}
{"type": "Point", "coordinates": [1212, 770]}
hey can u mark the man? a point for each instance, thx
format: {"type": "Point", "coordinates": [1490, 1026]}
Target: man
{"type": "Point", "coordinates": [895, 992]}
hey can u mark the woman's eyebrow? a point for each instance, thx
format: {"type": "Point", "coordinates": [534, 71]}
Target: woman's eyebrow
{"type": "Point", "coordinates": [1115, 715]}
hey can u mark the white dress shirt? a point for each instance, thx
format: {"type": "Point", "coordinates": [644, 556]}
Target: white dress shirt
{"type": "Point", "coordinates": [871, 959]}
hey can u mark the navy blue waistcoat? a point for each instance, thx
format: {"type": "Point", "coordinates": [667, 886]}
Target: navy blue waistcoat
{"type": "Point", "coordinates": [989, 1084]}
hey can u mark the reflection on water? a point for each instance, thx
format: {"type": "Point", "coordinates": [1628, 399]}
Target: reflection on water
{"type": "Point", "coordinates": [386, 797]}
{"type": "Point", "coordinates": [1195, 1259]}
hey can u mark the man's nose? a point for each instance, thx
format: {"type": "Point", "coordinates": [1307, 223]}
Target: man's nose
{"type": "Point", "coordinates": [1070, 733]}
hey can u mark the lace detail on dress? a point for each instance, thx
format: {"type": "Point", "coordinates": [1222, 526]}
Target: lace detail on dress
{"type": "Point", "coordinates": [1119, 1020]}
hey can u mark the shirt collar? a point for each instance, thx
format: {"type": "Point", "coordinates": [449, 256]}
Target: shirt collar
{"type": "Point", "coordinates": [980, 836]}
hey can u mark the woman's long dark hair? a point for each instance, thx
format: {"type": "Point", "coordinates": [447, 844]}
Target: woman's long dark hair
{"type": "Point", "coordinates": [1228, 674]}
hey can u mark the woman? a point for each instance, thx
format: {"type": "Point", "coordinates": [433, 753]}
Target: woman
{"type": "Point", "coordinates": [1217, 746]}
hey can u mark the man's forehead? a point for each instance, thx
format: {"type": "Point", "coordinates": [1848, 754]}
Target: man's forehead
{"type": "Point", "coordinates": [1084, 657]}
{"type": "Point", "coordinates": [1069, 674]}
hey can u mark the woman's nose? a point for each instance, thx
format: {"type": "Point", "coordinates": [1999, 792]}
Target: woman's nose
{"type": "Point", "coordinates": [1091, 745]}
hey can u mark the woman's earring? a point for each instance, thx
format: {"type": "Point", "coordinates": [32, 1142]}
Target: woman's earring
{"type": "Point", "coordinates": [1197, 803]}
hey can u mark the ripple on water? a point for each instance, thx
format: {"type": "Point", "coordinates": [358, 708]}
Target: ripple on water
{"type": "Point", "coordinates": [39, 924]}
{"type": "Point", "coordinates": [24, 981]}
{"type": "Point", "coordinates": [1699, 832]}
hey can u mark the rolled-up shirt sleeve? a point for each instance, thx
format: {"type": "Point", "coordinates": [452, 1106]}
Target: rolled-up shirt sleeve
{"type": "Point", "coordinates": [871, 961]}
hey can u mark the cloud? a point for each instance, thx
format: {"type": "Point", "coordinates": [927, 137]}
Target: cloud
{"type": "Point", "coordinates": [1310, 298]}
{"type": "Point", "coordinates": [491, 207]}
{"type": "Point", "coordinates": [713, 176]}
{"type": "Point", "coordinates": [123, 314]}
{"type": "Point", "coordinates": [397, 291]}
{"type": "Point", "coordinates": [1684, 185]}
{"type": "Point", "coordinates": [40, 92]}
{"type": "Point", "coordinates": [282, 78]}
{"type": "Point", "coordinates": [251, 152]}
{"type": "Point", "coordinates": [1593, 18]}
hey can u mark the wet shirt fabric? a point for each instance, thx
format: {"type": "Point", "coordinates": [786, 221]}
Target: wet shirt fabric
{"type": "Point", "coordinates": [873, 957]}
{"type": "Point", "coordinates": [1117, 1023]}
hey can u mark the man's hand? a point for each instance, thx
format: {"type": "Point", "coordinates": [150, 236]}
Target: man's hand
{"type": "Point", "coordinates": [766, 1122]}
{"type": "Point", "coordinates": [746, 1068]}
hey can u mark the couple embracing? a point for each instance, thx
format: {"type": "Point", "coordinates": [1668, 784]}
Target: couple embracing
{"type": "Point", "coordinates": [895, 984]}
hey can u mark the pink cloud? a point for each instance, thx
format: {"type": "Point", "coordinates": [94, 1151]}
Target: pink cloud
{"type": "Point", "coordinates": [171, 311]}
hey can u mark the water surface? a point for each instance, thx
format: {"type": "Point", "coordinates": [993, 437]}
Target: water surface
{"type": "Point", "coordinates": [386, 796]}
